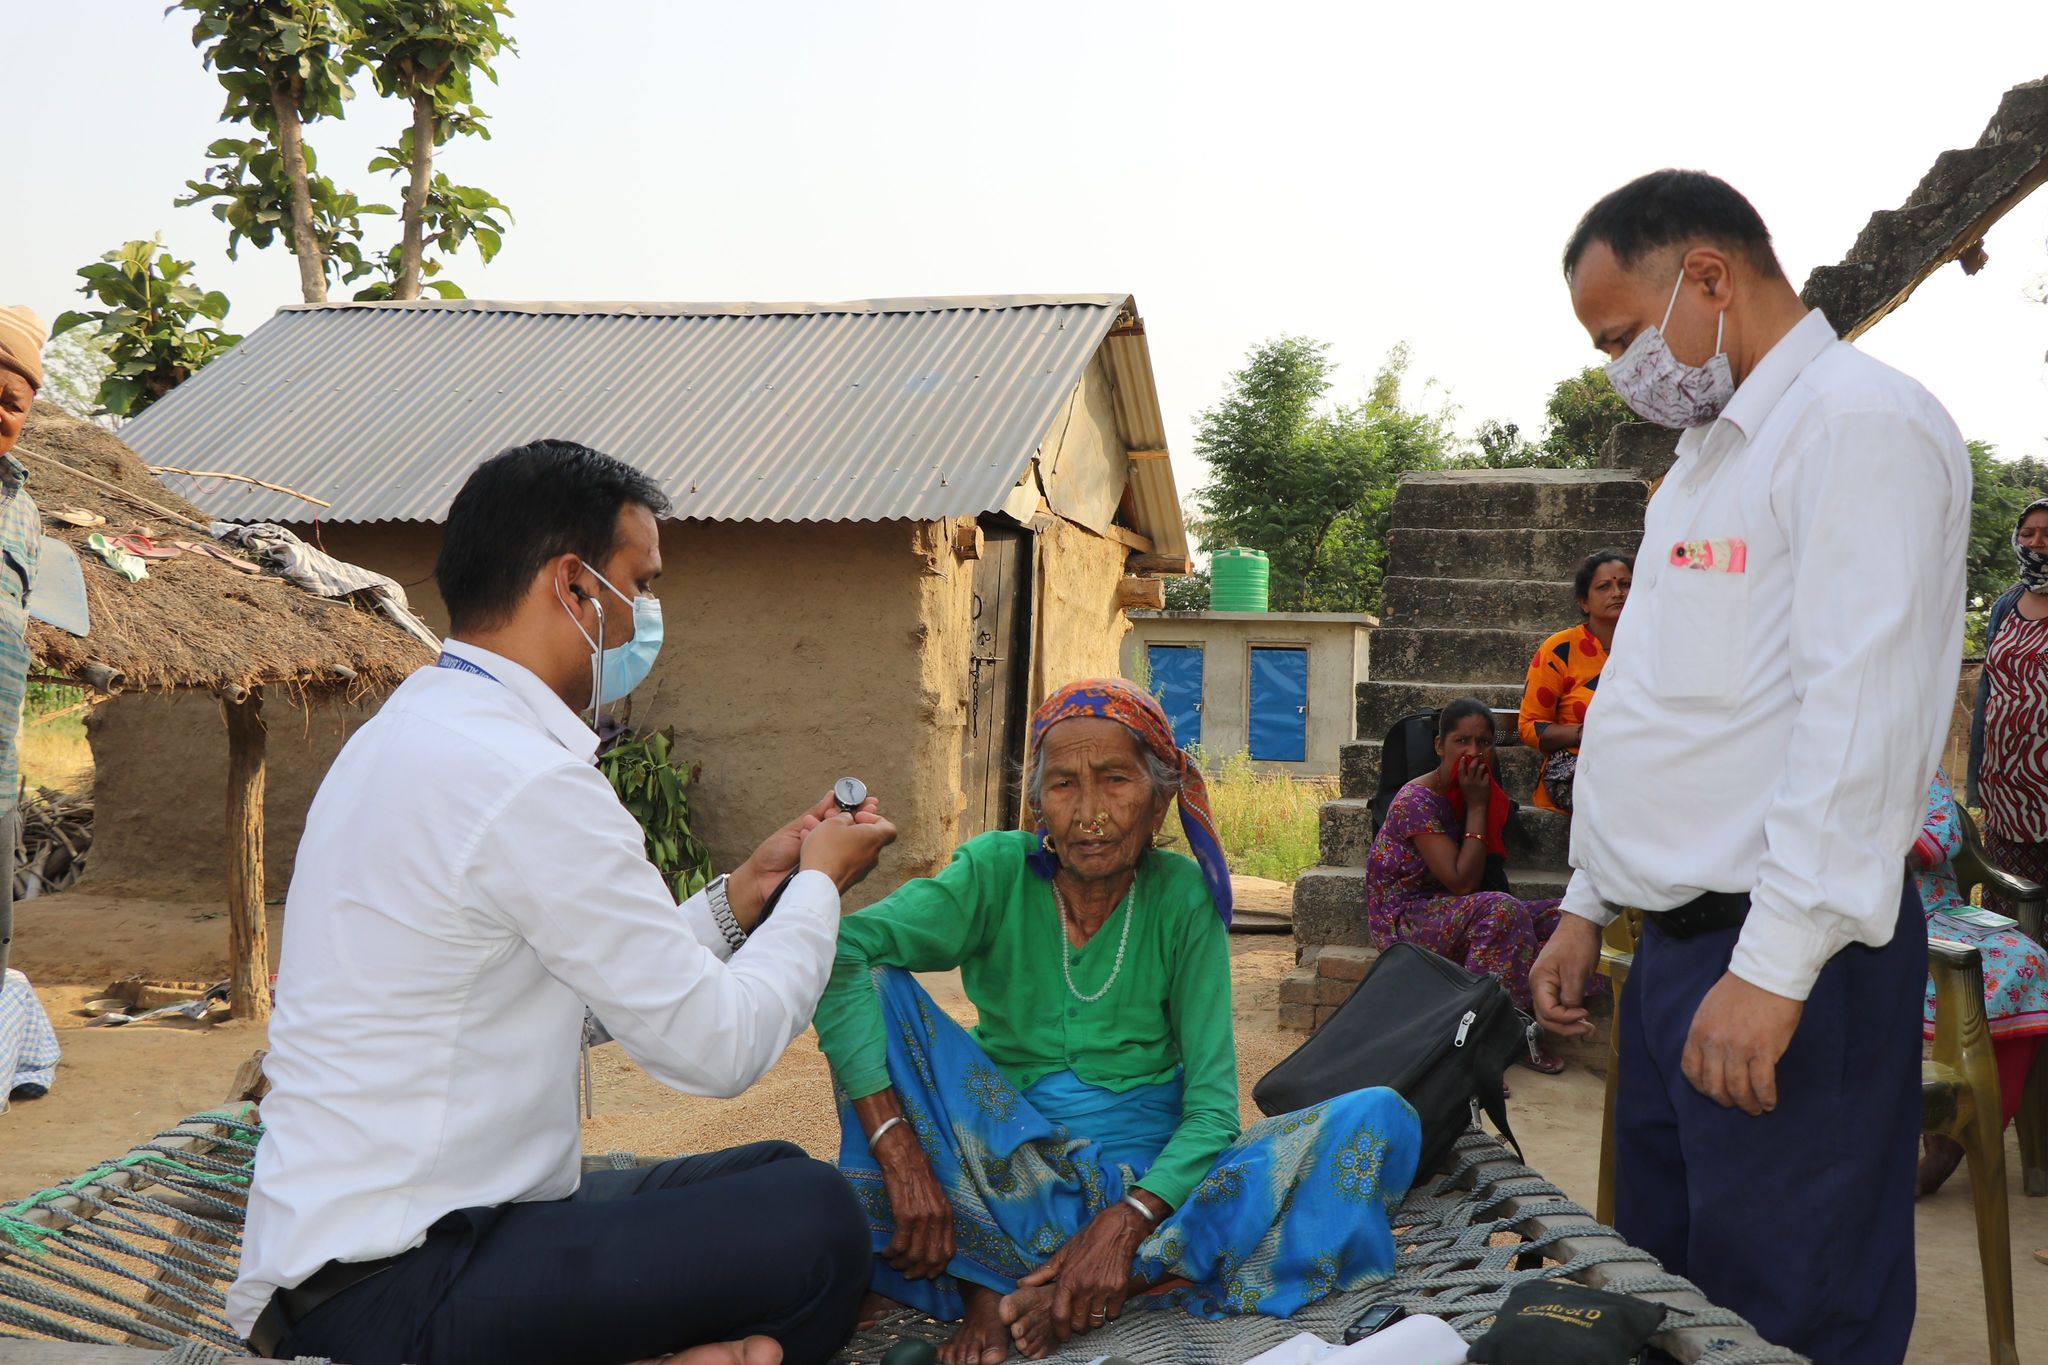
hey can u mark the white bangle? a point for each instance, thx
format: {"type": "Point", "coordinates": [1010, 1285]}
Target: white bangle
{"type": "Point", "coordinates": [1139, 1205]}
{"type": "Point", "coordinates": [882, 1128]}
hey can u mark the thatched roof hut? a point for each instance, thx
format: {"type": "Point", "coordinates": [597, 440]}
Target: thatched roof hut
{"type": "Point", "coordinates": [195, 624]}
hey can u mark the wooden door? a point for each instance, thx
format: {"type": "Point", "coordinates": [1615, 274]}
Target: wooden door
{"type": "Point", "coordinates": [998, 663]}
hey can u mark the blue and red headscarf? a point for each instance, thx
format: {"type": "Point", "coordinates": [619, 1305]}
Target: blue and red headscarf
{"type": "Point", "coordinates": [1139, 712]}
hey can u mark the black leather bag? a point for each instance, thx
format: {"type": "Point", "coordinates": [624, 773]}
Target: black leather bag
{"type": "Point", "coordinates": [1420, 1024]}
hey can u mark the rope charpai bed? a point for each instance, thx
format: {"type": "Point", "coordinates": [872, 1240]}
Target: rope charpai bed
{"type": "Point", "coordinates": [129, 1265]}
{"type": "Point", "coordinates": [1464, 1240]}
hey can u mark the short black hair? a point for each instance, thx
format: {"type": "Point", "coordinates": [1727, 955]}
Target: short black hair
{"type": "Point", "coordinates": [1668, 208]}
{"type": "Point", "coordinates": [1582, 581]}
{"type": "Point", "coordinates": [1463, 709]}
{"type": "Point", "coordinates": [523, 507]}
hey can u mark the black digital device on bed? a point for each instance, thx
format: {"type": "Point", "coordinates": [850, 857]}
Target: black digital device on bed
{"type": "Point", "coordinates": [1374, 1319]}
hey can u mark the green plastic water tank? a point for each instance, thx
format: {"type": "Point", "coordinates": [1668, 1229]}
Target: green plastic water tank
{"type": "Point", "coordinates": [1237, 580]}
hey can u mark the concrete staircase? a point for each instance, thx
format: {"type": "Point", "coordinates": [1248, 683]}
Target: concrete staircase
{"type": "Point", "coordinates": [1480, 571]}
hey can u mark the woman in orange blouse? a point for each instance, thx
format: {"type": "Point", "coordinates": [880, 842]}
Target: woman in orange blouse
{"type": "Point", "coordinates": [1565, 672]}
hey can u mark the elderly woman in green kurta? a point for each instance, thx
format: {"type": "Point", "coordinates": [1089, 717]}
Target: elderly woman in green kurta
{"type": "Point", "coordinates": [1080, 1145]}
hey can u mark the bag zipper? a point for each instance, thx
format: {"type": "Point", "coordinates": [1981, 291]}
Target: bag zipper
{"type": "Point", "coordinates": [1529, 1037]}
{"type": "Point", "coordinates": [1464, 1027]}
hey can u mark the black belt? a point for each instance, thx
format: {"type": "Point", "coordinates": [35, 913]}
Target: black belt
{"type": "Point", "coordinates": [290, 1307]}
{"type": "Point", "coordinates": [1712, 911]}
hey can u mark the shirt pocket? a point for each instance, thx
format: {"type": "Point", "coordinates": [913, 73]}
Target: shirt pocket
{"type": "Point", "coordinates": [1703, 633]}
{"type": "Point", "coordinates": [13, 577]}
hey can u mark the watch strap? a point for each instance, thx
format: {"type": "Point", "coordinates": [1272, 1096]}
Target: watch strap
{"type": "Point", "coordinates": [721, 913]}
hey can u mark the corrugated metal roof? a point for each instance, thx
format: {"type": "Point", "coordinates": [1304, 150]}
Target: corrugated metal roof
{"type": "Point", "coordinates": [900, 408]}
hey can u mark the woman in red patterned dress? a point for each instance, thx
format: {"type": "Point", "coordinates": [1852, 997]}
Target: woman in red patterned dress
{"type": "Point", "coordinates": [2009, 732]}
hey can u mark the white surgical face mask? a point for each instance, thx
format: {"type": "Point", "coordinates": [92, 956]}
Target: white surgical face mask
{"type": "Point", "coordinates": [1652, 381]}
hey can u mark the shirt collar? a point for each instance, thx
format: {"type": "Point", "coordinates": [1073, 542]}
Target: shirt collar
{"type": "Point", "coordinates": [557, 719]}
{"type": "Point", "coordinates": [1773, 375]}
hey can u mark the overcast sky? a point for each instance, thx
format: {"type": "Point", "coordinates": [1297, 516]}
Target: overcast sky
{"type": "Point", "coordinates": [1364, 174]}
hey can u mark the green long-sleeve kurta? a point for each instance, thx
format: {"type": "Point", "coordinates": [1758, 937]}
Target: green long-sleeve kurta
{"type": "Point", "coordinates": [989, 915]}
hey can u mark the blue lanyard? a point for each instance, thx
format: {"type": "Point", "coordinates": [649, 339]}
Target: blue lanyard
{"type": "Point", "coordinates": [463, 666]}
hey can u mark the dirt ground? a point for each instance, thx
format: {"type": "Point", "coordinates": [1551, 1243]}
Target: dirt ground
{"type": "Point", "coordinates": [116, 1087]}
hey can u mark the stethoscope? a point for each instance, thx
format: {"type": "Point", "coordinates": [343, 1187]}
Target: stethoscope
{"type": "Point", "coordinates": [847, 793]}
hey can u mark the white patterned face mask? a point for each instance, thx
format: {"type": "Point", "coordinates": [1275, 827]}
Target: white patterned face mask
{"type": "Point", "coordinates": [1652, 381]}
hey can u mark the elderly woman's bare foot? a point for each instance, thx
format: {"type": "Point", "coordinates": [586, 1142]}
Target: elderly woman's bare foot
{"type": "Point", "coordinates": [752, 1351]}
{"type": "Point", "coordinates": [983, 1338]}
{"type": "Point", "coordinates": [1028, 1314]}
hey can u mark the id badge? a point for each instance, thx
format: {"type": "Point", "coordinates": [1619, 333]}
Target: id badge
{"type": "Point", "coordinates": [1728, 555]}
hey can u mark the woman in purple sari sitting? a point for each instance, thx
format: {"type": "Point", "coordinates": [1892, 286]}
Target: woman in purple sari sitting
{"type": "Point", "coordinates": [1422, 879]}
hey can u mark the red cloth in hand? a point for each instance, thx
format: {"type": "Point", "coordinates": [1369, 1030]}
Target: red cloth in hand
{"type": "Point", "coordinates": [1496, 815]}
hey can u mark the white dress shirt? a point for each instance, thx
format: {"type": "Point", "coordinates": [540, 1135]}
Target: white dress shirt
{"type": "Point", "coordinates": [467, 884]}
{"type": "Point", "coordinates": [1773, 730]}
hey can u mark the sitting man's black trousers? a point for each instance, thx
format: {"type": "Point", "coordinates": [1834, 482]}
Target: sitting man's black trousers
{"type": "Point", "coordinates": [757, 1240]}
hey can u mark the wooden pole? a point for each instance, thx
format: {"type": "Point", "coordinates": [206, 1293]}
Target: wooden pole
{"type": "Point", "coordinates": [248, 937]}
{"type": "Point", "coordinates": [1178, 566]}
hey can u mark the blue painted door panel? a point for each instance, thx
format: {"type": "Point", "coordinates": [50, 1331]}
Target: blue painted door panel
{"type": "Point", "coordinates": [1177, 682]}
{"type": "Point", "coordinates": [1279, 705]}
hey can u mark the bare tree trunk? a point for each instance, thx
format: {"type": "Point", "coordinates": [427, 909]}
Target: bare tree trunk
{"type": "Point", "coordinates": [413, 247]}
{"type": "Point", "coordinates": [291, 143]}
{"type": "Point", "coordinates": [248, 934]}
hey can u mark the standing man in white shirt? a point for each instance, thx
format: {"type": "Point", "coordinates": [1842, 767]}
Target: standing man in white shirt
{"type": "Point", "coordinates": [1777, 700]}
{"type": "Point", "coordinates": [467, 885]}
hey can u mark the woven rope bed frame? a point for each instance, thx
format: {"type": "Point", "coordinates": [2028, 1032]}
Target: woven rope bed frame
{"type": "Point", "coordinates": [139, 1251]}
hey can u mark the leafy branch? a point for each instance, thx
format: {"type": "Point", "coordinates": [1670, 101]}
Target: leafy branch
{"type": "Point", "coordinates": [655, 789]}
{"type": "Point", "coordinates": [150, 322]}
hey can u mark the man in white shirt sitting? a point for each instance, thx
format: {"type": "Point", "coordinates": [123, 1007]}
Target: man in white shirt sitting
{"type": "Point", "coordinates": [1778, 695]}
{"type": "Point", "coordinates": [467, 885]}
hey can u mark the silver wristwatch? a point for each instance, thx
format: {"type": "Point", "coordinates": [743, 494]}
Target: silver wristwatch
{"type": "Point", "coordinates": [721, 913]}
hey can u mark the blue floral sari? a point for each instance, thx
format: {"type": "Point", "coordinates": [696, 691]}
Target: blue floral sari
{"type": "Point", "coordinates": [1294, 1210]}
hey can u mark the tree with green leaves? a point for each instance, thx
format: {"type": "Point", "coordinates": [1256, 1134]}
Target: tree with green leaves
{"type": "Point", "coordinates": [2001, 490]}
{"type": "Point", "coordinates": [156, 326]}
{"type": "Point", "coordinates": [284, 64]}
{"type": "Point", "coordinates": [1308, 481]}
{"type": "Point", "coordinates": [427, 54]}
{"type": "Point", "coordinates": [250, 191]}
{"type": "Point", "coordinates": [454, 214]}
{"type": "Point", "coordinates": [1581, 413]}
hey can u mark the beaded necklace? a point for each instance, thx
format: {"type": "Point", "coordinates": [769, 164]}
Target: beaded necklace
{"type": "Point", "coordinates": [1067, 945]}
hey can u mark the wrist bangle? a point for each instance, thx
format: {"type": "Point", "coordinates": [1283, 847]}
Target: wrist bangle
{"type": "Point", "coordinates": [884, 1126]}
{"type": "Point", "coordinates": [1139, 1205]}
{"type": "Point", "coordinates": [1470, 835]}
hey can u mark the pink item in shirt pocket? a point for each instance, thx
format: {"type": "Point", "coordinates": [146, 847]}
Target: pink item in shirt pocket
{"type": "Point", "coordinates": [1727, 555]}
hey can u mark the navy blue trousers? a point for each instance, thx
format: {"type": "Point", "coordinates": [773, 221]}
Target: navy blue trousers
{"type": "Point", "coordinates": [758, 1239]}
{"type": "Point", "coordinates": [1801, 1220]}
